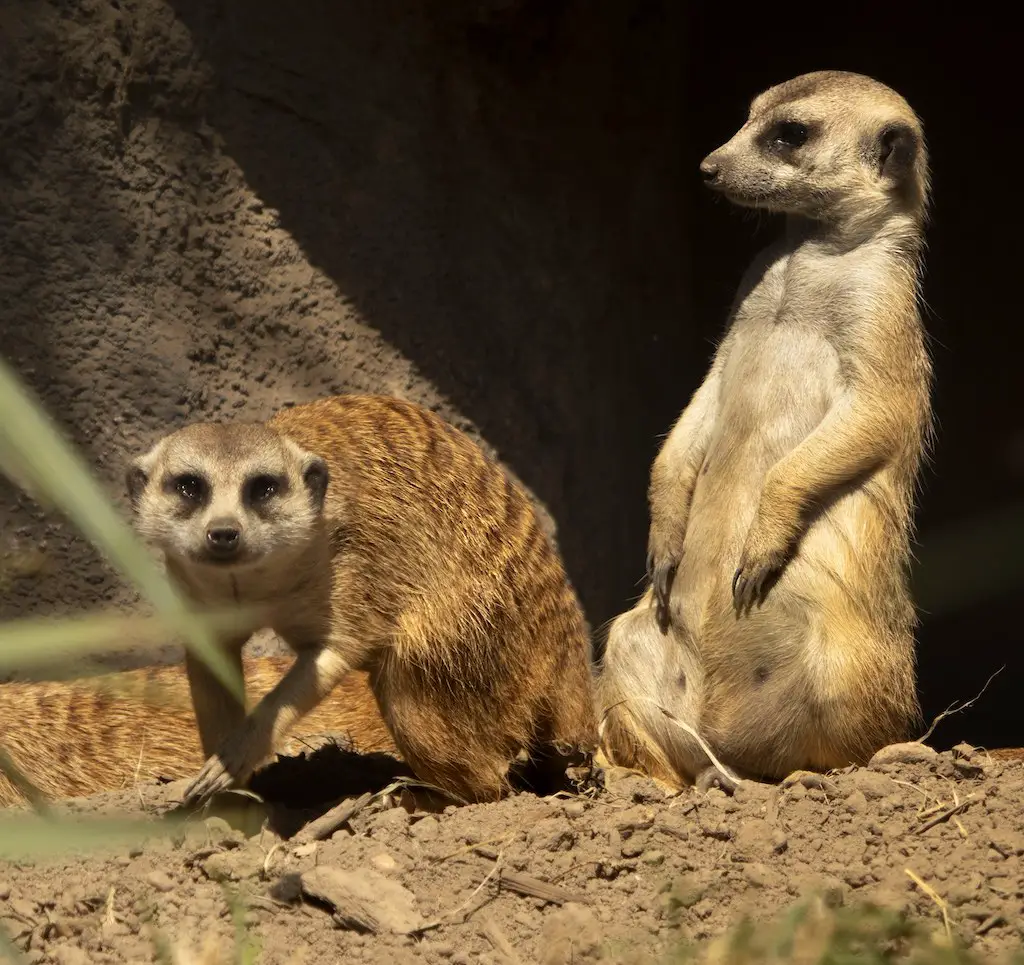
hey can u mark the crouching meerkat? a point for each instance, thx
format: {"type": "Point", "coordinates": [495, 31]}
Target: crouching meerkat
{"type": "Point", "coordinates": [378, 538]}
{"type": "Point", "coordinates": [778, 623]}
{"type": "Point", "coordinates": [74, 738]}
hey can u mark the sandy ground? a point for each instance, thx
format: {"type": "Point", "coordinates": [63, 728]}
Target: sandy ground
{"type": "Point", "coordinates": [623, 873]}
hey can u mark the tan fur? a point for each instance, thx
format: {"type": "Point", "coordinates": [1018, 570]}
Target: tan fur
{"type": "Point", "coordinates": [79, 737]}
{"type": "Point", "coordinates": [778, 623]}
{"type": "Point", "coordinates": [423, 564]}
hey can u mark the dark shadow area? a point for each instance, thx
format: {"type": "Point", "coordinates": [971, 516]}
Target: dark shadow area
{"type": "Point", "coordinates": [296, 790]}
{"type": "Point", "coordinates": [501, 198]}
{"type": "Point", "coordinates": [325, 775]}
{"type": "Point", "coordinates": [301, 789]}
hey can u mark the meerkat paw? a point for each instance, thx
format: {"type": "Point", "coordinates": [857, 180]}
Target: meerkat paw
{"type": "Point", "coordinates": [231, 766]}
{"type": "Point", "coordinates": [762, 560]}
{"type": "Point", "coordinates": [212, 779]}
{"type": "Point", "coordinates": [662, 562]}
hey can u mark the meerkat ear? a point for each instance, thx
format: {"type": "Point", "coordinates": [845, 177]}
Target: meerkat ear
{"type": "Point", "coordinates": [896, 152]}
{"type": "Point", "coordinates": [136, 478]}
{"type": "Point", "coordinates": [316, 476]}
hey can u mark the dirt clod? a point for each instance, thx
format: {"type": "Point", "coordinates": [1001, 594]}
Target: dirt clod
{"type": "Point", "coordinates": [365, 901]}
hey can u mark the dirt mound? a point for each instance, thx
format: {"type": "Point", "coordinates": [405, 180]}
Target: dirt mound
{"type": "Point", "coordinates": [623, 874]}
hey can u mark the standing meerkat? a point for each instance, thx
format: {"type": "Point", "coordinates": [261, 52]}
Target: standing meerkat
{"type": "Point", "coordinates": [377, 537]}
{"type": "Point", "coordinates": [73, 738]}
{"type": "Point", "coordinates": [778, 622]}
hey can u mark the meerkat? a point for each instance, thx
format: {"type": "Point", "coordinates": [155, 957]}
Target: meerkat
{"type": "Point", "coordinates": [777, 623]}
{"type": "Point", "coordinates": [74, 738]}
{"type": "Point", "coordinates": [377, 537]}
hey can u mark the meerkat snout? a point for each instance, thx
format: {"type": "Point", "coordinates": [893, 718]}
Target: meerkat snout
{"type": "Point", "coordinates": [223, 539]}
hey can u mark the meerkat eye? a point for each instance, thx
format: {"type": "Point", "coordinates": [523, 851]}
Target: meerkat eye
{"type": "Point", "coordinates": [790, 134]}
{"type": "Point", "coordinates": [191, 488]}
{"type": "Point", "coordinates": [264, 487]}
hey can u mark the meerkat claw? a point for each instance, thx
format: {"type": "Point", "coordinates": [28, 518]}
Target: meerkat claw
{"type": "Point", "coordinates": [664, 574]}
{"type": "Point", "coordinates": [749, 587]}
{"type": "Point", "coordinates": [212, 779]}
{"type": "Point", "coordinates": [740, 584]}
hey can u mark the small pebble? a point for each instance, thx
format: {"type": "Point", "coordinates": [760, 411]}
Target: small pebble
{"type": "Point", "coordinates": [574, 809]}
{"type": "Point", "coordinates": [160, 880]}
{"type": "Point", "coordinates": [384, 862]}
{"type": "Point", "coordinates": [222, 834]}
{"type": "Point", "coordinates": [632, 848]}
{"type": "Point", "coordinates": [69, 955]}
{"type": "Point", "coordinates": [23, 907]}
{"type": "Point", "coordinates": [911, 752]}
{"type": "Point", "coordinates": [756, 873]}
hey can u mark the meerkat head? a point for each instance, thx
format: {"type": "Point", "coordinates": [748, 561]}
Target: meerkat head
{"type": "Point", "coordinates": [828, 146]}
{"type": "Point", "coordinates": [227, 495]}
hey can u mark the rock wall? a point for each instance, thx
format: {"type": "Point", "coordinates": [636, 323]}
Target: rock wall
{"type": "Point", "coordinates": [213, 209]}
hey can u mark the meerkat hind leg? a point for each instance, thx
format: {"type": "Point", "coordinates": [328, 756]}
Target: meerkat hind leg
{"type": "Point", "coordinates": [314, 674]}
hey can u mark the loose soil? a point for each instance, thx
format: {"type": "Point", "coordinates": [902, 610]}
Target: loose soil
{"type": "Point", "coordinates": [623, 873]}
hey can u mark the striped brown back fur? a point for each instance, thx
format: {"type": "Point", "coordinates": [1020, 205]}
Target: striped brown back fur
{"type": "Point", "coordinates": [75, 738]}
{"type": "Point", "coordinates": [429, 570]}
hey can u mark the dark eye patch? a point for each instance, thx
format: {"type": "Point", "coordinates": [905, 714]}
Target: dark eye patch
{"type": "Point", "coordinates": [263, 487]}
{"type": "Point", "coordinates": [787, 135]}
{"type": "Point", "coordinates": [191, 487]}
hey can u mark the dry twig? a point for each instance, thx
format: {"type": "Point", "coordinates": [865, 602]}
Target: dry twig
{"type": "Point", "coordinates": [944, 816]}
{"type": "Point", "coordinates": [955, 709]}
{"type": "Point", "coordinates": [934, 895]}
{"type": "Point", "coordinates": [536, 888]}
{"type": "Point", "coordinates": [501, 944]}
{"type": "Point", "coordinates": [325, 825]}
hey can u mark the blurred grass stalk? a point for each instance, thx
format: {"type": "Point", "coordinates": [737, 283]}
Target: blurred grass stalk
{"type": "Point", "coordinates": [35, 456]}
{"type": "Point", "coordinates": [42, 642]}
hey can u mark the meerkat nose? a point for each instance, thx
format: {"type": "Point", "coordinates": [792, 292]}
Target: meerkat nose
{"type": "Point", "coordinates": [223, 540]}
{"type": "Point", "coordinates": [709, 169]}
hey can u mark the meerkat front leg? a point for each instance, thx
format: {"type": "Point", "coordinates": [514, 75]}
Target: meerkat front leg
{"type": "Point", "coordinates": [856, 436]}
{"type": "Point", "coordinates": [315, 673]}
{"type": "Point", "coordinates": [673, 478]}
{"type": "Point", "coordinates": [218, 711]}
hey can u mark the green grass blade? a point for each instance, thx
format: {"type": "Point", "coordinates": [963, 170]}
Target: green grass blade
{"type": "Point", "coordinates": [34, 452]}
{"type": "Point", "coordinates": [10, 951]}
{"type": "Point", "coordinates": [26, 837]}
{"type": "Point", "coordinates": [41, 642]}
